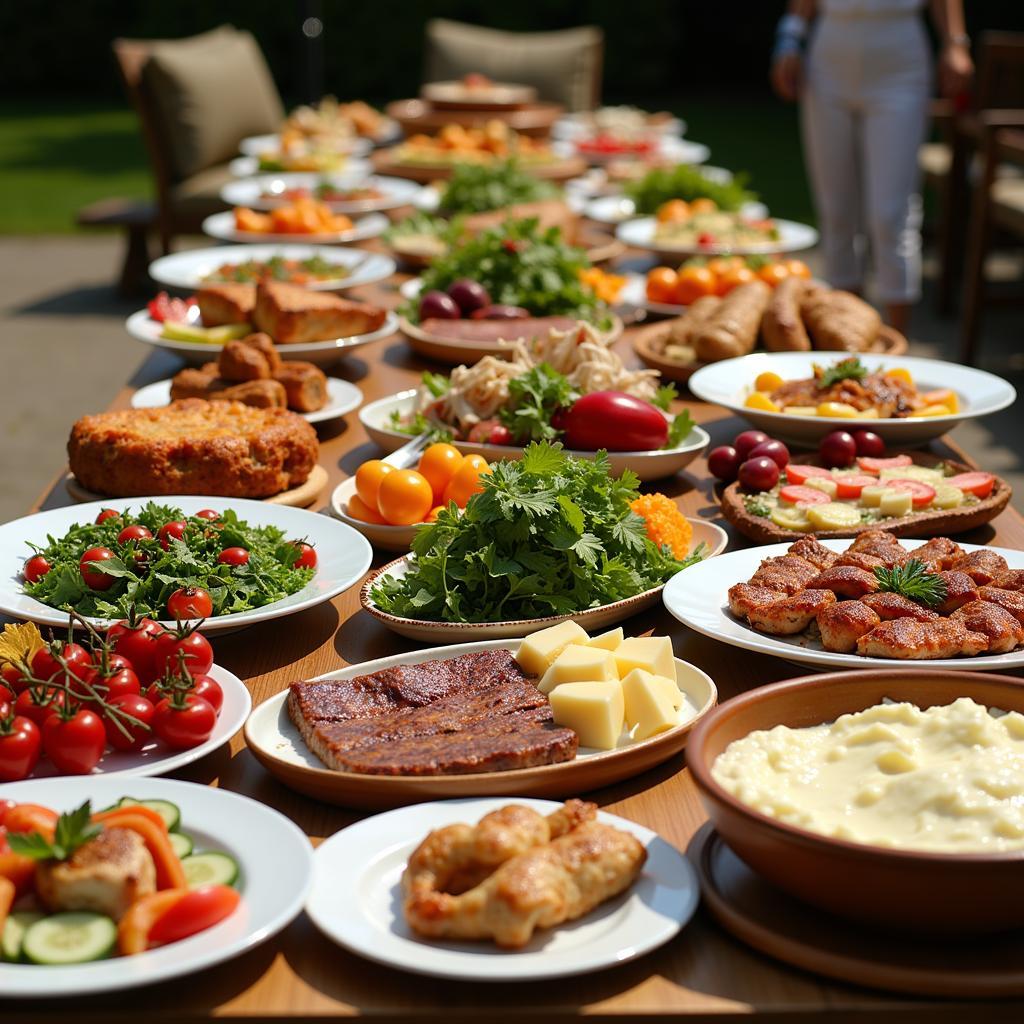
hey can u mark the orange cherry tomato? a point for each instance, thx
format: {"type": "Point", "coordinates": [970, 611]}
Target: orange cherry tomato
{"type": "Point", "coordinates": [734, 278]}
{"type": "Point", "coordinates": [466, 481]}
{"type": "Point", "coordinates": [719, 265]}
{"type": "Point", "coordinates": [693, 282]}
{"type": "Point", "coordinates": [797, 268]}
{"type": "Point", "coordinates": [661, 284]}
{"type": "Point", "coordinates": [773, 273]}
{"type": "Point", "coordinates": [433, 513]}
{"type": "Point", "coordinates": [438, 464]}
{"type": "Point", "coordinates": [358, 509]}
{"type": "Point", "coordinates": [368, 478]}
{"type": "Point", "coordinates": [673, 210]}
{"type": "Point", "coordinates": [703, 204]}
{"type": "Point", "coordinates": [478, 461]}
{"type": "Point", "coordinates": [404, 497]}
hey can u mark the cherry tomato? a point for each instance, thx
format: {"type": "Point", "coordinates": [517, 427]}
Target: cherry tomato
{"type": "Point", "coordinates": [115, 662]}
{"type": "Point", "coordinates": [733, 279]}
{"type": "Point", "coordinates": [466, 481]}
{"type": "Point", "coordinates": [797, 268]}
{"type": "Point", "coordinates": [196, 911]}
{"type": "Point", "coordinates": [871, 465]}
{"type": "Point", "coordinates": [233, 556]}
{"type": "Point", "coordinates": [35, 569]}
{"type": "Point", "coordinates": [306, 558]}
{"type": "Point", "coordinates": [977, 483]}
{"type": "Point", "coordinates": [174, 530]}
{"type": "Point", "coordinates": [838, 449]}
{"type": "Point", "coordinates": [433, 513]}
{"type": "Point", "coordinates": [20, 744]}
{"type": "Point", "coordinates": [724, 463]}
{"type": "Point", "coordinates": [803, 497]}
{"type": "Point", "coordinates": [760, 474]}
{"type": "Point", "coordinates": [45, 664]}
{"type": "Point", "coordinates": [5, 806]}
{"type": "Point", "coordinates": [405, 497]}
{"type": "Point", "coordinates": [118, 684]}
{"type": "Point", "coordinates": [136, 532]}
{"type": "Point", "coordinates": [39, 703]}
{"type": "Point", "coordinates": [774, 450]}
{"type": "Point", "coordinates": [797, 473]}
{"type": "Point", "coordinates": [184, 723]}
{"type": "Point", "coordinates": [368, 479]}
{"type": "Point", "coordinates": [94, 578]}
{"type": "Point", "coordinates": [76, 744]}
{"type": "Point", "coordinates": [139, 734]}
{"type": "Point", "coordinates": [920, 494]}
{"type": "Point", "coordinates": [138, 644]}
{"type": "Point", "coordinates": [693, 283]}
{"type": "Point", "coordinates": [13, 679]}
{"type": "Point", "coordinates": [358, 509]}
{"type": "Point", "coordinates": [194, 646]}
{"type": "Point", "coordinates": [774, 273]}
{"type": "Point", "coordinates": [190, 603]}
{"type": "Point", "coordinates": [746, 442]}
{"type": "Point", "coordinates": [439, 462]}
{"type": "Point", "coordinates": [868, 443]}
{"type": "Point", "coordinates": [673, 210]}
{"type": "Point", "coordinates": [719, 265]}
{"type": "Point", "coordinates": [661, 284]}
{"type": "Point", "coordinates": [107, 513]}
{"type": "Point", "coordinates": [851, 484]}
{"type": "Point", "coordinates": [209, 689]}
{"type": "Point", "coordinates": [208, 513]}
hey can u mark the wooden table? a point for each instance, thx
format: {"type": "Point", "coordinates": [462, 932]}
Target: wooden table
{"type": "Point", "coordinates": [703, 974]}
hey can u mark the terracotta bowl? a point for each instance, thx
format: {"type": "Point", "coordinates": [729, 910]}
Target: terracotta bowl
{"type": "Point", "coordinates": [894, 888]}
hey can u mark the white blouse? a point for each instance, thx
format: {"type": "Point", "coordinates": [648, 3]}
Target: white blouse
{"type": "Point", "coordinates": [869, 8]}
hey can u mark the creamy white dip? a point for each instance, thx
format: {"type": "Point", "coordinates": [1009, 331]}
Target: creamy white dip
{"type": "Point", "coordinates": [949, 779]}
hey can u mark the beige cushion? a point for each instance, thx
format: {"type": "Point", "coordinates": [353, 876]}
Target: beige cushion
{"type": "Point", "coordinates": [564, 66]}
{"type": "Point", "coordinates": [1008, 204]}
{"type": "Point", "coordinates": [209, 92]}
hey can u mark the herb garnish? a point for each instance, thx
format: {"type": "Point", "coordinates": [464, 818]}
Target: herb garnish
{"type": "Point", "coordinates": [479, 188]}
{"type": "Point", "coordinates": [755, 506]}
{"type": "Point", "coordinates": [845, 369]}
{"type": "Point", "coordinates": [73, 830]}
{"type": "Point", "coordinates": [533, 400]}
{"type": "Point", "coordinates": [664, 396]}
{"type": "Point", "coordinates": [912, 580]}
{"type": "Point", "coordinates": [687, 182]}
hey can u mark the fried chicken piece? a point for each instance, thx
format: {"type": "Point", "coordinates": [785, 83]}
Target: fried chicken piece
{"type": "Point", "coordinates": [240, 361]}
{"type": "Point", "coordinates": [908, 639]}
{"type": "Point", "coordinates": [896, 606]}
{"type": "Point", "coordinates": [792, 614]}
{"type": "Point", "coordinates": [745, 598]}
{"type": "Point", "coordinates": [810, 549]}
{"type": "Point", "coordinates": [960, 589]}
{"type": "Point", "coordinates": [1011, 600]}
{"type": "Point", "coordinates": [845, 581]}
{"type": "Point", "coordinates": [878, 542]}
{"type": "Point", "coordinates": [842, 624]}
{"type": "Point", "coordinates": [1002, 628]}
{"type": "Point", "coordinates": [939, 552]}
{"type": "Point", "coordinates": [786, 573]}
{"type": "Point", "coordinates": [982, 566]}
{"type": "Point", "coordinates": [862, 560]}
{"type": "Point", "coordinates": [1012, 579]}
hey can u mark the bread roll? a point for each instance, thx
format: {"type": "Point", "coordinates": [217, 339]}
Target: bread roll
{"type": "Point", "coordinates": [731, 329]}
{"type": "Point", "coordinates": [781, 326]}
{"type": "Point", "coordinates": [840, 321]}
{"type": "Point", "coordinates": [240, 361]}
{"type": "Point", "coordinates": [305, 385]}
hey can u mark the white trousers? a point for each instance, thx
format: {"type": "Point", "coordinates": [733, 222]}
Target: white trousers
{"type": "Point", "coordinates": [863, 114]}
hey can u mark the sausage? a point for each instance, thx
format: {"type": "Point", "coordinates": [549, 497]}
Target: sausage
{"type": "Point", "coordinates": [240, 361]}
{"type": "Point", "coordinates": [681, 330]}
{"type": "Point", "coordinates": [840, 321]}
{"type": "Point", "coordinates": [305, 385]}
{"type": "Point", "coordinates": [781, 326]}
{"type": "Point", "coordinates": [731, 330]}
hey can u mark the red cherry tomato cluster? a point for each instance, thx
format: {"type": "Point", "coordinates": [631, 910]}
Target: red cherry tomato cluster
{"type": "Point", "coordinates": [840, 449]}
{"type": "Point", "coordinates": [72, 702]}
{"type": "Point", "coordinates": [754, 458]}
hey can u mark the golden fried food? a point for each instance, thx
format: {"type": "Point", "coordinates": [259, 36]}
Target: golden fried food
{"type": "Point", "coordinates": [732, 328]}
{"type": "Point", "coordinates": [840, 321]}
{"type": "Point", "coordinates": [228, 303]}
{"type": "Point", "coordinates": [293, 315]}
{"type": "Point", "coordinates": [781, 326]}
{"type": "Point", "coordinates": [240, 361]}
{"type": "Point", "coordinates": [260, 394]}
{"type": "Point", "coordinates": [305, 385]}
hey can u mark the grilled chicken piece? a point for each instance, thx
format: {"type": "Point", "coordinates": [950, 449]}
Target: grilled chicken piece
{"type": "Point", "coordinates": [1012, 579]}
{"type": "Point", "coordinates": [878, 542]}
{"type": "Point", "coordinates": [810, 549]}
{"type": "Point", "coordinates": [1011, 600]}
{"type": "Point", "coordinates": [896, 606]}
{"type": "Point", "coordinates": [789, 615]}
{"type": "Point", "coordinates": [786, 573]}
{"type": "Point", "coordinates": [939, 552]}
{"type": "Point", "coordinates": [842, 624]}
{"type": "Point", "coordinates": [845, 581]}
{"type": "Point", "coordinates": [960, 589]}
{"type": "Point", "coordinates": [106, 875]}
{"type": "Point", "coordinates": [909, 639]}
{"type": "Point", "coordinates": [745, 598]}
{"type": "Point", "coordinates": [865, 561]}
{"type": "Point", "coordinates": [1001, 627]}
{"type": "Point", "coordinates": [982, 566]}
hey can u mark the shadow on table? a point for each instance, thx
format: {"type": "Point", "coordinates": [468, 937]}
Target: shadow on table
{"type": "Point", "coordinates": [88, 300]}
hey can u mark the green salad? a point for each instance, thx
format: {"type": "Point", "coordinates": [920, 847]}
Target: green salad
{"type": "Point", "coordinates": [684, 181]}
{"type": "Point", "coordinates": [548, 535]}
{"type": "Point", "coordinates": [479, 188]}
{"type": "Point", "coordinates": [180, 552]}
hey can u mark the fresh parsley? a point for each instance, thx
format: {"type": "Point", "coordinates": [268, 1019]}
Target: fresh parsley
{"type": "Point", "coordinates": [665, 396]}
{"type": "Point", "coordinates": [73, 830]}
{"type": "Point", "coordinates": [679, 429]}
{"type": "Point", "coordinates": [687, 182]}
{"type": "Point", "coordinates": [419, 424]}
{"type": "Point", "coordinates": [533, 400]}
{"type": "Point", "coordinates": [436, 383]}
{"type": "Point", "coordinates": [756, 506]}
{"type": "Point", "coordinates": [912, 580]}
{"type": "Point", "coordinates": [845, 369]}
{"type": "Point", "coordinates": [479, 188]}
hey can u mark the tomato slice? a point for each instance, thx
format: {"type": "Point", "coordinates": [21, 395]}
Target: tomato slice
{"type": "Point", "coordinates": [802, 497]}
{"type": "Point", "coordinates": [870, 465]}
{"type": "Point", "coordinates": [921, 494]}
{"type": "Point", "coordinates": [198, 910]}
{"type": "Point", "coordinates": [977, 483]}
{"type": "Point", "coordinates": [851, 485]}
{"type": "Point", "coordinates": [798, 474]}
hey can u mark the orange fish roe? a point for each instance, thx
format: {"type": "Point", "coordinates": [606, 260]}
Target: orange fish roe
{"type": "Point", "coordinates": [665, 523]}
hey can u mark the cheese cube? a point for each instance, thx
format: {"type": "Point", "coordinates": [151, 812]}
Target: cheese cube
{"type": "Point", "coordinates": [593, 710]}
{"type": "Point", "coordinates": [823, 483]}
{"type": "Point", "coordinates": [651, 653]}
{"type": "Point", "coordinates": [947, 496]}
{"type": "Point", "coordinates": [923, 473]}
{"type": "Point", "coordinates": [578, 663]}
{"type": "Point", "coordinates": [896, 503]}
{"type": "Point", "coordinates": [539, 649]}
{"type": "Point", "coordinates": [871, 496]}
{"type": "Point", "coordinates": [671, 689]}
{"type": "Point", "coordinates": [647, 705]}
{"type": "Point", "coordinates": [607, 641]}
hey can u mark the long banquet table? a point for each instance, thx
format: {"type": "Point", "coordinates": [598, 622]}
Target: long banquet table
{"type": "Point", "coordinates": [703, 974]}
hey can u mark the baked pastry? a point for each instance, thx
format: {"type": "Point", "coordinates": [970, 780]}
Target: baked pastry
{"type": "Point", "coordinates": [226, 303]}
{"type": "Point", "coordinates": [305, 385]}
{"type": "Point", "coordinates": [781, 326]}
{"type": "Point", "coordinates": [193, 447]}
{"type": "Point", "coordinates": [731, 329]}
{"type": "Point", "coordinates": [292, 315]}
{"type": "Point", "coordinates": [840, 321]}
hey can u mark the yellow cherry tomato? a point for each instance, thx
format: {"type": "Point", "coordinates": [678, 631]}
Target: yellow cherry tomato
{"type": "Point", "coordinates": [900, 373]}
{"type": "Point", "coordinates": [773, 273]}
{"type": "Point", "coordinates": [767, 381]}
{"type": "Point", "coordinates": [438, 464]}
{"type": "Point", "coordinates": [404, 497]}
{"type": "Point", "coordinates": [703, 205]}
{"type": "Point", "coordinates": [797, 268]}
{"type": "Point", "coordinates": [358, 509]}
{"type": "Point", "coordinates": [673, 210]}
{"type": "Point", "coordinates": [432, 514]}
{"type": "Point", "coordinates": [466, 481]}
{"type": "Point", "coordinates": [759, 400]}
{"type": "Point", "coordinates": [368, 478]}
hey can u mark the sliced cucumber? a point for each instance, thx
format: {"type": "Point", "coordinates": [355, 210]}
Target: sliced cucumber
{"type": "Point", "coordinates": [210, 869]}
{"type": "Point", "coordinates": [13, 935]}
{"type": "Point", "coordinates": [181, 844]}
{"type": "Point", "coordinates": [168, 811]}
{"type": "Point", "coordinates": [72, 938]}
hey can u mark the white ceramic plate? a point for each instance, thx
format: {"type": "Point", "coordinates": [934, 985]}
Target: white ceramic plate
{"type": "Point", "coordinates": [342, 398]}
{"type": "Point", "coordinates": [356, 901]}
{"type": "Point", "coordinates": [254, 145]}
{"type": "Point", "coordinates": [699, 599]}
{"type": "Point", "coordinates": [729, 382]}
{"type": "Point", "coordinates": [142, 327]}
{"type": "Point", "coordinates": [249, 166]}
{"type": "Point", "coordinates": [573, 126]}
{"type": "Point", "coordinates": [188, 270]}
{"type": "Point", "coordinates": [343, 555]}
{"type": "Point", "coordinates": [670, 150]}
{"type": "Point", "coordinates": [222, 226]}
{"type": "Point", "coordinates": [264, 192]}
{"type": "Point", "coordinates": [616, 209]}
{"type": "Point", "coordinates": [260, 839]}
{"type": "Point", "coordinates": [793, 237]}
{"type": "Point", "coordinates": [649, 465]}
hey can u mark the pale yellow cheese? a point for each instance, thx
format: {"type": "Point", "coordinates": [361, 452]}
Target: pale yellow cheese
{"type": "Point", "coordinates": [896, 503]}
{"type": "Point", "coordinates": [578, 663]}
{"type": "Point", "coordinates": [607, 641]}
{"type": "Point", "coordinates": [540, 649]}
{"type": "Point", "coordinates": [651, 653]}
{"type": "Point", "coordinates": [923, 473]}
{"type": "Point", "coordinates": [947, 496]}
{"type": "Point", "coordinates": [593, 710]}
{"type": "Point", "coordinates": [671, 690]}
{"type": "Point", "coordinates": [824, 484]}
{"type": "Point", "coordinates": [871, 496]}
{"type": "Point", "coordinates": [648, 707]}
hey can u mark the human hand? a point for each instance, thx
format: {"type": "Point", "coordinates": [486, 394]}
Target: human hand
{"type": "Point", "coordinates": [956, 69]}
{"type": "Point", "coordinates": [787, 75]}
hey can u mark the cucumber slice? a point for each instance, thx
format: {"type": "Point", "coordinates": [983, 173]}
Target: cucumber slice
{"type": "Point", "coordinates": [181, 844]}
{"type": "Point", "coordinates": [72, 938]}
{"type": "Point", "coordinates": [13, 934]}
{"type": "Point", "coordinates": [210, 869]}
{"type": "Point", "coordinates": [168, 811]}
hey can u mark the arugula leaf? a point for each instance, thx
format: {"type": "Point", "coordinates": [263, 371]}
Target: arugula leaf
{"type": "Point", "coordinates": [73, 830]}
{"type": "Point", "coordinates": [680, 429]}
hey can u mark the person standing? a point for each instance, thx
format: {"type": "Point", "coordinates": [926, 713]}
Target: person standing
{"type": "Point", "coordinates": [864, 86]}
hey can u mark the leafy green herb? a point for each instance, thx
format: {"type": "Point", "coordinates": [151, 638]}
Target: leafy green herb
{"type": "Point", "coordinates": [419, 424]}
{"type": "Point", "coordinates": [665, 396]}
{"type": "Point", "coordinates": [420, 223]}
{"type": "Point", "coordinates": [687, 182]}
{"type": "Point", "coordinates": [533, 399]}
{"type": "Point", "coordinates": [479, 188]}
{"type": "Point", "coordinates": [436, 383]}
{"type": "Point", "coordinates": [756, 506]}
{"type": "Point", "coordinates": [679, 429]}
{"type": "Point", "coordinates": [845, 369]}
{"type": "Point", "coordinates": [73, 830]}
{"type": "Point", "coordinates": [912, 580]}
{"type": "Point", "coordinates": [547, 535]}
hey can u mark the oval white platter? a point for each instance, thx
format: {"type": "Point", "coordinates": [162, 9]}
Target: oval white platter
{"type": "Point", "coordinates": [342, 398]}
{"type": "Point", "coordinates": [343, 554]}
{"type": "Point", "coordinates": [648, 465]}
{"type": "Point", "coordinates": [574, 126]}
{"type": "Point", "coordinates": [640, 234]}
{"type": "Point", "coordinates": [189, 269]}
{"type": "Point", "coordinates": [264, 191]}
{"type": "Point", "coordinates": [222, 226]}
{"type": "Point", "coordinates": [670, 150]}
{"type": "Point", "coordinates": [356, 898]}
{"type": "Point", "coordinates": [260, 839]}
{"type": "Point", "coordinates": [350, 166]}
{"type": "Point", "coordinates": [729, 382]}
{"type": "Point", "coordinates": [698, 597]}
